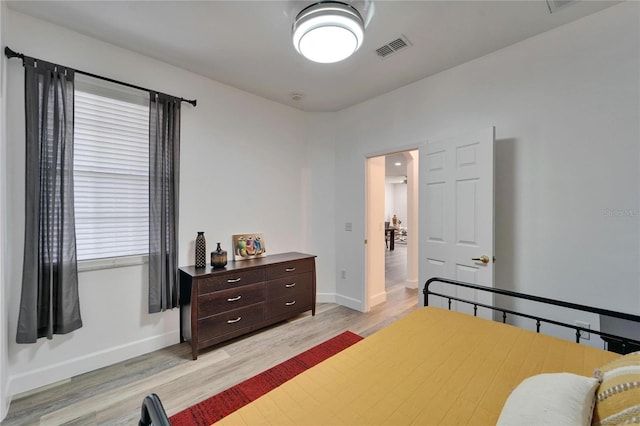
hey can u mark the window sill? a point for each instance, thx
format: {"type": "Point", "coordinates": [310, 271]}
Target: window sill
{"type": "Point", "coordinates": [111, 262]}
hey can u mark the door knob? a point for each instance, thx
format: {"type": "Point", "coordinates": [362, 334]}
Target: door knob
{"type": "Point", "coordinates": [484, 259]}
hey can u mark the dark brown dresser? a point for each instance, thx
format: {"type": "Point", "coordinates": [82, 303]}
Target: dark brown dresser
{"type": "Point", "coordinates": [220, 304]}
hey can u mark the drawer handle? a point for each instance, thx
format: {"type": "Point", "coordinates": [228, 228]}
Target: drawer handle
{"type": "Point", "coordinates": [290, 303]}
{"type": "Point", "coordinates": [290, 269]}
{"type": "Point", "coordinates": [234, 299]}
{"type": "Point", "coordinates": [237, 280]}
{"type": "Point", "coordinates": [233, 321]}
{"type": "Point", "coordinates": [290, 285]}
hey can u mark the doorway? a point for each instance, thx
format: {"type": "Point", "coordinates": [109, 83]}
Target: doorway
{"type": "Point", "coordinates": [392, 225]}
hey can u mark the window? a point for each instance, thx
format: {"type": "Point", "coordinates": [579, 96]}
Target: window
{"type": "Point", "coordinates": [111, 170]}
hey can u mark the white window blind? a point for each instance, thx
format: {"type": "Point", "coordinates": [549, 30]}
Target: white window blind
{"type": "Point", "coordinates": [111, 170]}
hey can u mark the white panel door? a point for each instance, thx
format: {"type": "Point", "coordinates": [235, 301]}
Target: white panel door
{"type": "Point", "coordinates": [456, 214]}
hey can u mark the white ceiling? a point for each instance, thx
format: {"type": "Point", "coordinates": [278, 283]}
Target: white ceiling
{"type": "Point", "coordinates": [247, 44]}
{"type": "Point", "coordinates": [396, 167]}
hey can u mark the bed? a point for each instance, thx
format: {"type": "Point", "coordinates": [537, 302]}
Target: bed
{"type": "Point", "coordinates": [437, 366]}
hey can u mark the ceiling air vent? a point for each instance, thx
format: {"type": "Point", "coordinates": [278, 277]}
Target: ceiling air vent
{"type": "Point", "coordinates": [393, 46]}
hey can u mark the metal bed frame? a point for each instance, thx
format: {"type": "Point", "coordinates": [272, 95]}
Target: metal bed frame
{"type": "Point", "coordinates": [625, 342]}
{"type": "Point", "coordinates": [153, 413]}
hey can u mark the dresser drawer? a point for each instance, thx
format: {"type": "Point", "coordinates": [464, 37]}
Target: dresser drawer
{"type": "Point", "coordinates": [230, 280]}
{"type": "Point", "coordinates": [230, 321]}
{"type": "Point", "coordinates": [293, 267]}
{"type": "Point", "coordinates": [294, 303]}
{"type": "Point", "coordinates": [226, 300]}
{"type": "Point", "coordinates": [289, 286]}
{"type": "Point", "coordinates": [220, 304]}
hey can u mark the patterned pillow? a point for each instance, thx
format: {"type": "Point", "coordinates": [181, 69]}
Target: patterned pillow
{"type": "Point", "coordinates": [618, 396]}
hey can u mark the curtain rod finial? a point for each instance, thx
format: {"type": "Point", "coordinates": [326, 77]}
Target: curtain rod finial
{"type": "Point", "coordinates": [9, 53]}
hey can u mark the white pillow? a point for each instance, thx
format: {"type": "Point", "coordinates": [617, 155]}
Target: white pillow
{"type": "Point", "coordinates": [551, 399]}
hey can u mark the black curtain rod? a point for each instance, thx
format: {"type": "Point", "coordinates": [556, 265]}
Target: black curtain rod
{"type": "Point", "coordinates": [13, 54]}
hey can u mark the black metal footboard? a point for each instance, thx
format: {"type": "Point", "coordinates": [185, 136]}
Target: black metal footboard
{"type": "Point", "coordinates": [626, 343]}
{"type": "Point", "coordinates": [152, 412]}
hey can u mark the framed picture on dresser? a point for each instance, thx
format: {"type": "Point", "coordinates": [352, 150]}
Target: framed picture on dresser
{"type": "Point", "coordinates": [248, 246]}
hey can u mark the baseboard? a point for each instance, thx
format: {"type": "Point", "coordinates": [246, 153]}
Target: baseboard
{"type": "Point", "coordinates": [6, 401]}
{"type": "Point", "coordinates": [21, 383]}
{"type": "Point", "coordinates": [412, 284]}
{"type": "Point", "coordinates": [378, 299]}
{"type": "Point", "coordinates": [325, 298]}
{"type": "Point", "coordinates": [340, 300]}
{"type": "Point", "coordinates": [350, 302]}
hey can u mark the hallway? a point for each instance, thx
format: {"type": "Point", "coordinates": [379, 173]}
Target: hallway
{"type": "Point", "coordinates": [395, 262]}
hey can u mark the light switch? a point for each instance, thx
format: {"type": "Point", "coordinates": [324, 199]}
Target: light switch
{"type": "Point", "coordinates": [348, 226]}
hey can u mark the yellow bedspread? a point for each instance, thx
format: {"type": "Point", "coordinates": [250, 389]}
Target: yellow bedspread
{"type": "Point", "coordinates": [431, 367]}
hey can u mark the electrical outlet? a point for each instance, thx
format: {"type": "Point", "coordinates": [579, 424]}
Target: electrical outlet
{"type": "Point", "coordinates": [584, 335]}
{"type": "Point", "coordinates": [343, 274]}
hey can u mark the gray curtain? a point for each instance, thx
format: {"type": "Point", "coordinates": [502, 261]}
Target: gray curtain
{"type": "Point", "coordinates": [49, 303]}
{"type": "Point", "coordinates": [164, 172]}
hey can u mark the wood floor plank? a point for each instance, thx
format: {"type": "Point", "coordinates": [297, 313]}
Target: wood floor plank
{"type": "Point", "coordinates": [112, 395]}
{"type": "Point", "coordinates": [138, 389]}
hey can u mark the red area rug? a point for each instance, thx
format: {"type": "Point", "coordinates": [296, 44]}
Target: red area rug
{"type": "Point", "coordinates": [216, 407]}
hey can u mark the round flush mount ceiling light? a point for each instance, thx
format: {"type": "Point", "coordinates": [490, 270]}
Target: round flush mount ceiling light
{"type": "Point", "coordinates": [328, 31]}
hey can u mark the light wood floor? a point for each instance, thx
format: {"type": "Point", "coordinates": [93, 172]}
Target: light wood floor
{"type": "Point", "coordinates": [112, 395]}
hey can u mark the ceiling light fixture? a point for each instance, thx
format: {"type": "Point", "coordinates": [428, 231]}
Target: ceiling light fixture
{"type": "Point", "coordinates": [328, 31]}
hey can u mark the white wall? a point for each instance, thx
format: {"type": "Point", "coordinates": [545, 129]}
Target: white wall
{"type": "Point", "coordinates": [389, 207]}
{"type": "Point", "coordinates": [565, 105]}
{"type": "Point", "coordinates": [395, 202]}
{"type": "Point", "coordinates": [320, 209]}
{"type": "Point", "coordinates": [400, 202]}
{"type": "Point", "coordinates": [244, 169]}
